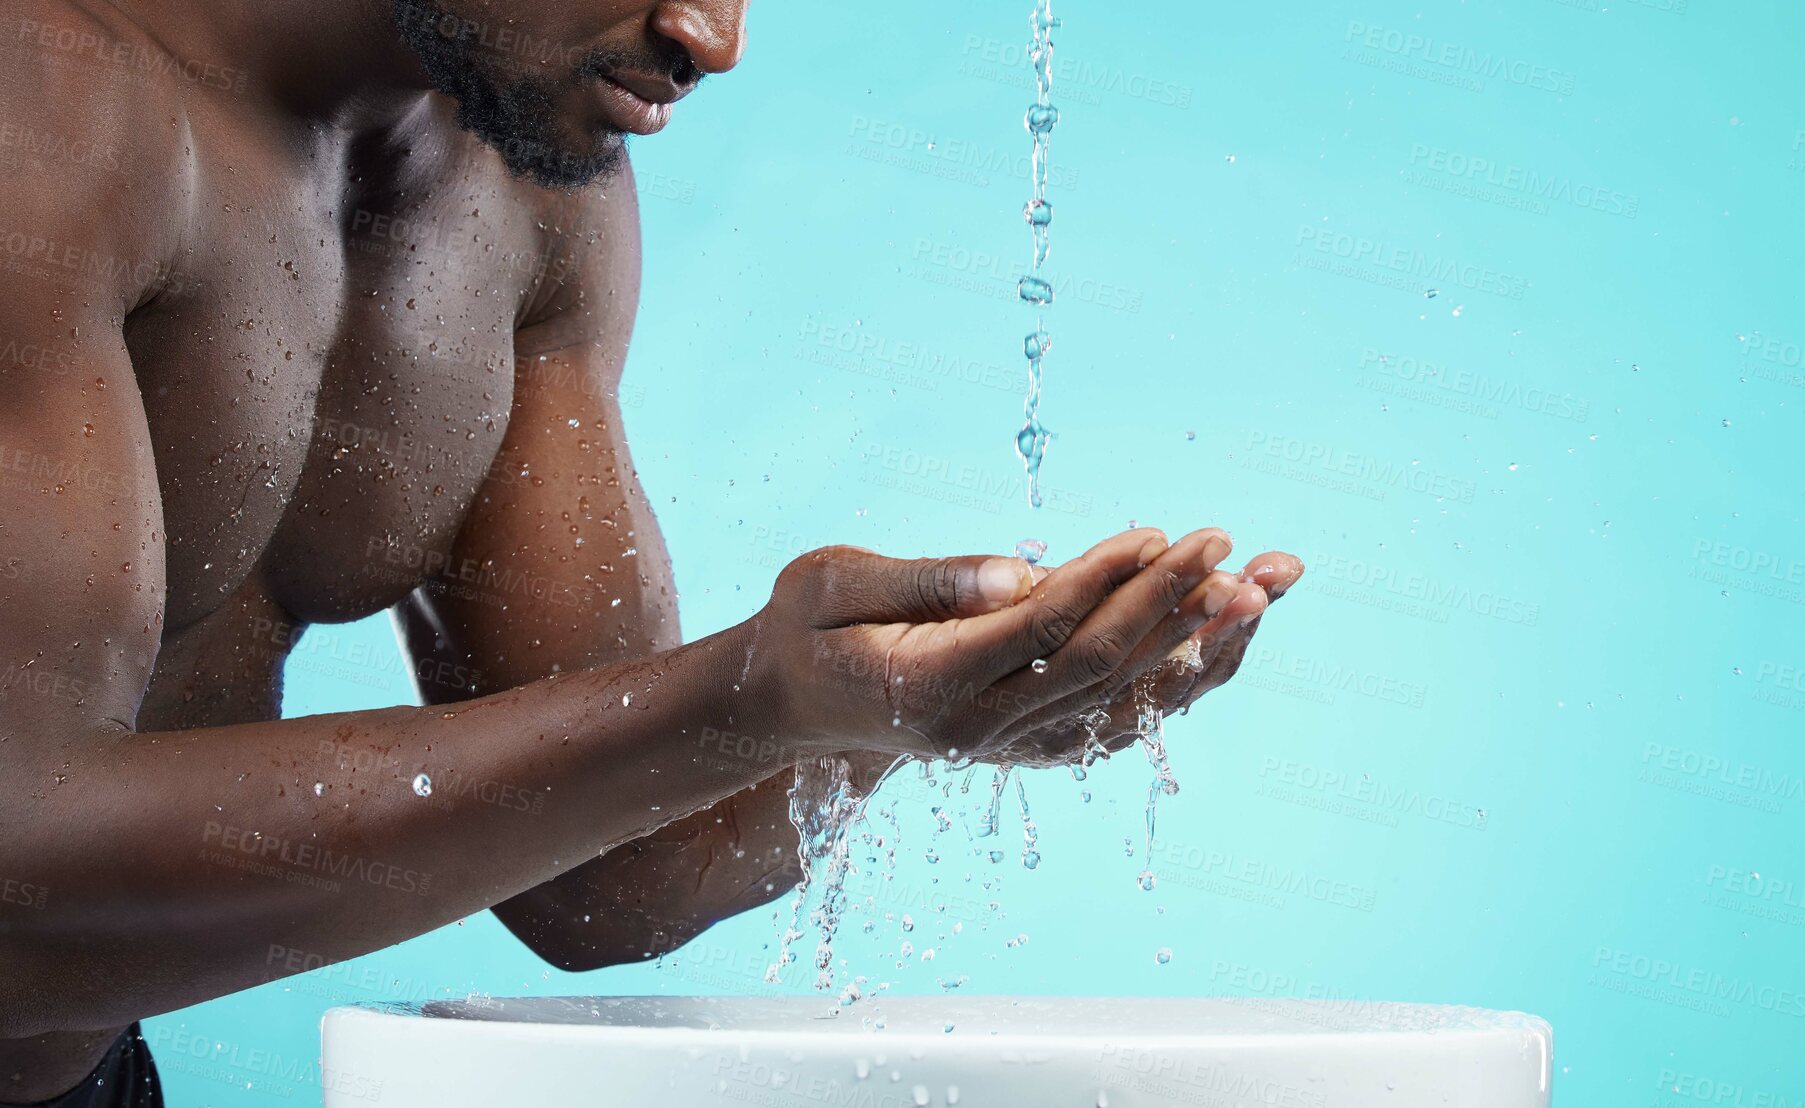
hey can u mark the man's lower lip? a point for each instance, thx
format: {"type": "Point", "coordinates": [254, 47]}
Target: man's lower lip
{"type": "Point", "coordinates": [628, 111]}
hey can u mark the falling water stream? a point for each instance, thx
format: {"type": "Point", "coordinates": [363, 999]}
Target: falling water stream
{"type": "Point", "coordinates": [825, 805]}
{"type": "Point", "coordinates": [1035, 289]}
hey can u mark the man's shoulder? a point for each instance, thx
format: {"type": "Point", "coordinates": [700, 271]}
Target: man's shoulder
{"type": "Point", "coordinates": [94, 135]}
{"type": "Point", "coordinates": [591, 245]}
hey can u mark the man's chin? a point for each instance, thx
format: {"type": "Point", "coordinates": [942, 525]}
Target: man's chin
{"type": "Point", "coordinates": [552, 165]}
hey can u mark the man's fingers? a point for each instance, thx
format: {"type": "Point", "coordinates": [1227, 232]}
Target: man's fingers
{"type": "Point", "coordinates": [1274, 571]}
{"type": "Point", "coordinates": [1214, 652]}
{"type": "Point", "coordinates": [1107, 637]}
{"type": "Point", "coordinates": [851, 585]}
{"type": "Point", "coordinates": [1006, 641]}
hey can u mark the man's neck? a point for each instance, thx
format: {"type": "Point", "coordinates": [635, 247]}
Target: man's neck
{"type": "Point", "coordinates": [340, 62]}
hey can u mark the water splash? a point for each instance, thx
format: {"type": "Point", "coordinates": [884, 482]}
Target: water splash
{"type": "Point", "coordinates": [1035, 289]}
{"type": "Point", "coordinates": [1151, 726]}
{"type": "Point", "coordinates": [994, 815]}
{"type": "Point", "coordinates": [1030, 833]}
{"type": "Point", "coordinates": [824, 806]}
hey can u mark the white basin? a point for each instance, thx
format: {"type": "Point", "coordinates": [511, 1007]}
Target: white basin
{"type": "Point", "coordinates": [1001, 1052]}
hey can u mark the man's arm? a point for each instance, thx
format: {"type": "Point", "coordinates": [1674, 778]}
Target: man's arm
{"type": "Point", "coordinates": [171, 864]}
{"type": "Point", "coordinates": [563, 508]}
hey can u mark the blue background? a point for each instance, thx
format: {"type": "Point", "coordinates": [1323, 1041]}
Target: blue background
{"type": "Point", "coordinates": [1534, 717]}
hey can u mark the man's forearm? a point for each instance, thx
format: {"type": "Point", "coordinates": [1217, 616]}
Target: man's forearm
{"type": "Point", "coordinates": [198, 853]}
{"type": "Point", "coordinates": [649, 897]}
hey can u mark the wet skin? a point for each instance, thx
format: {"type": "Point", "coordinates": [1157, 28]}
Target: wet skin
{"type": "Point", "coordinates": [294, 348]}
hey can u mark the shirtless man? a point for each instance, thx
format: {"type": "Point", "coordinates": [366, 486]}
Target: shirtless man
{"type": "Point", "coordinates": [313, 310]}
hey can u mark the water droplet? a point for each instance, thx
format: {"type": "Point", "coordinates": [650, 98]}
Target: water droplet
{"type": "Point", "coordinates": [1042, 118]}
{"type": "Point", "coordinates": [1031, 551]}
{"type": "Point", "coordinates": [319, 788]}
{"type": "Point", "coordinates": [1039, 665]}
{"type": "Point", "coordinates": [1163, 955]}
{"type": "Point", "coordinates": [422, 785]}
{"type": "Point", "coordinates": [1035, 290]}
{"type": "Point", "coordinates": [1431, 294]}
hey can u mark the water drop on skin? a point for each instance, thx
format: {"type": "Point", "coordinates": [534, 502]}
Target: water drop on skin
{"type": "Point", "coordinates": [1031, 551]}
{"type": "Point", "coordinates": [422, 785]}
{"type": "Point", "coordinates": [1039, 665]}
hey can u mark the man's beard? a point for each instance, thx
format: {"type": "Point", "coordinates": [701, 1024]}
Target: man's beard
{"type": "Point", "coordinates": [518, 119]}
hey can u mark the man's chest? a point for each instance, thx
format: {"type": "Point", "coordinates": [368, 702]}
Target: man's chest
{"type": "Point", "coordinates": [327, 385]}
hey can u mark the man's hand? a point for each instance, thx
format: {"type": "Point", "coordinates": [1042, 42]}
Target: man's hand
{"type": "Point", "coordinates": [1204, 661]}
{"type": "Point", "coordinates": [966, 657]}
